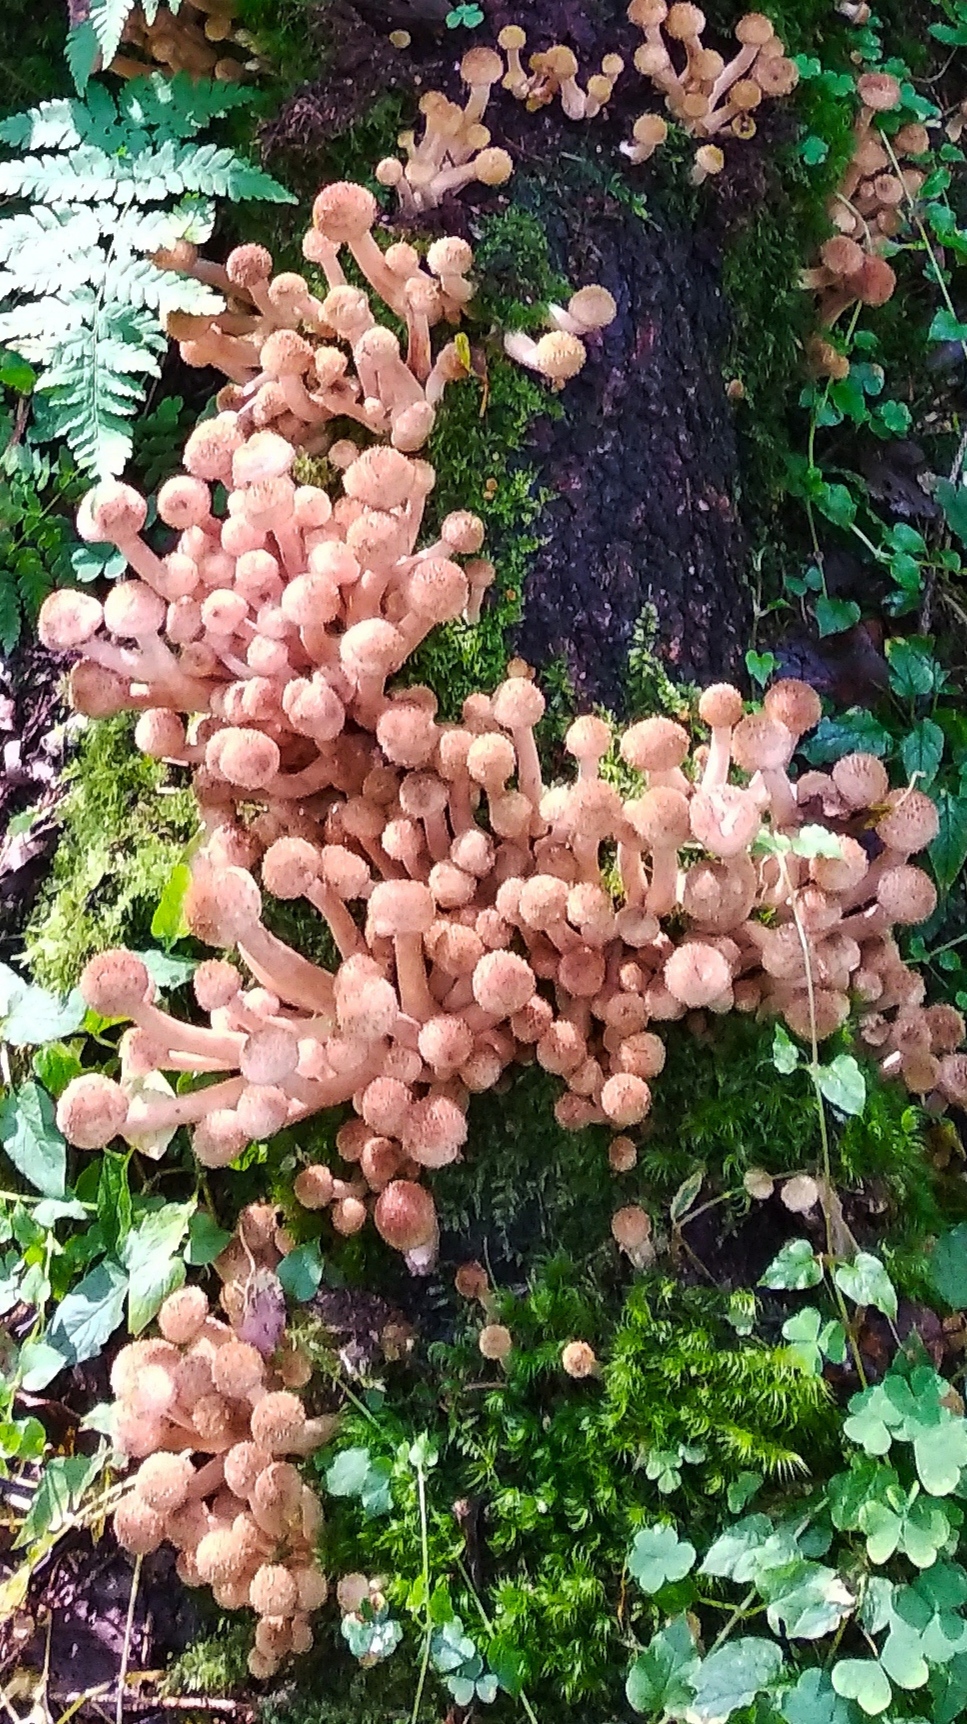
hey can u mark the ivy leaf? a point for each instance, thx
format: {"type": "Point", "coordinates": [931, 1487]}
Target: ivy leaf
{"type": "Point", "coordinates": [866, 1282]}
{"type": "Point", "coordinates": [88, 1316]}
{"type": "Point", "coordinates": [814, 1700]}
{"type": "Point", "coordinates": [29, 1135]}
{"type": "Point", "coordinates": [38, 1016]}
{"type": "Point", "coordinates": [843, 1084]}
{"type": "Point", "coordinates": [853, 731]}
{"type": "Point", "coordinates": [940, 1455]}
{"type": "Point", "coordinates": [796, 1268]}
{"type": "Point", "coordinates": [834, 616]}
{"type": "Point", "coordinates": [947, 1267]}
{"type": "Point", "coordinates": [731, 1678]}
{"type": "Point", "coordinates": [760, 666]}
{"type": "Point", "coordinates": [660, 1679]}
{"type": "Point", "coordinates": [658, 1556]}
{"type": "Point", "coordinates": [150, 1255]}
{"type": "Point", "coordinates": [863, 1680]}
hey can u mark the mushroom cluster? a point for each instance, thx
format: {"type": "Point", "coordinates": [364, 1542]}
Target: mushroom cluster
{"type": "Point", "coordinates": [706, 95]}
{"type": "Point", "coordinates": [192, 40]}
{"type": "Point", "coordinates": [866, 212]}
{"type": "Point", "coordinates": [217, 1427]}
{"type": "Point", "coordinates": [455, 149]}
{"type": "Point", "coordinates": [481, 918]}
{"type": "Point", "coordinates": [299, 363]}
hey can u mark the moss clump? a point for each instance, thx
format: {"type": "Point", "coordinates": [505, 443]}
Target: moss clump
{"type": "Point", "coordinates": [558, 1469]}
{"type": "Point", "coordinates": [123, 830]}
{"type": "Point", "coordinates": [215, 1663]}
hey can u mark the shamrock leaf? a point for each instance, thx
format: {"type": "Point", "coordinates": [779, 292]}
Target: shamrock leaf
{"type": "Point", "coordinates": [814, 1700]}
{"type": "Point", "coordinates": [805, 1599]}
{"type": "Point", "coordinates": [863, 1680]}
{"type": "Point", "coordinates": [658, 1556]}
{"type": "Point", "coordinates": [940, 1454]}
{"type": "Point", "coordinates": [735, 1553]}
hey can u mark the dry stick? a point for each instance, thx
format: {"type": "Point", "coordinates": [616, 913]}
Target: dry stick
{"type": "Point", "coordinates": [813, 1069]}
{"type": "Point", "coordinates": [126, 1648]}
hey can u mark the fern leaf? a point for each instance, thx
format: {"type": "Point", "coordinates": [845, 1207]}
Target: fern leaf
{"type": "Point", "coordinates": [221, 173]}
{"type": "Point", "coordinates": [95, 385]}
{"type": "Point", "coordinates": [49, 251]}
{"type": "Point", "coordinates": [179, 107]}
{"type": "Point", "coordinates": [109, 18]}
{"type": "Point", "coordinates": [51, 126]}
{"type": "Point", "coordinates": [85, 176]}
{"type": "Point", "coordinates": [81, 50]}
{"type": "Point", "coordinates": [138, 282]}
{"type": "Point", "coordinates": [141, 230]}
{"type": "Point", "coordinates": [10, 618]}
{"type": "Point", "coordinates": [34, 328]}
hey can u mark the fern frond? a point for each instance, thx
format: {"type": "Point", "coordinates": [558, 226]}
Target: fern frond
{"type": "Point", "coordinates": [86, 176]}
{"type": "Point", "coordinates": [34, 328]}
{"type": "Point", "coordinates": [109, 18]}
{"type": "Point", "coordinates": [10, 617]}
{"type": "Point", "coordinates": [139, 283]}
{"type": "Point", "coordinates": [51, 126]}
{"type": "Point", "coordinates": [94, 384]}
{"type": "Point", "coordinates": [179, 107]}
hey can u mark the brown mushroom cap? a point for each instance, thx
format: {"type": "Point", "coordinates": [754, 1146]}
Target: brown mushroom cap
{"type": "Point", "coordinates": [911, 823]}
{"type": "Point", "coordinates": [405, 1215]}
{"type": "Point", "coordinates": [654, 745]}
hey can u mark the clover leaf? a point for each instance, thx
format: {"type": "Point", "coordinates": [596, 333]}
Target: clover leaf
{"type": "Point", "coordinates": [658, 1556]}
{"type": "Point", "coordinates": [865, 1681]}
{"type": "Point", "coordinates": [795, 1268]}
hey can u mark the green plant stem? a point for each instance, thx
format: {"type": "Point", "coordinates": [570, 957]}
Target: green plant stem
{"type": "Point", "coordinates": [428, 1626]}
{"type": "Point", "coordinates": [948, 946]}
{"type": "Point", "coordinates": [813, 1070]}
{"type": "Point", "coordinates": [737, 1616]}
{"type": "Point", "coordinates": [529, 1712]}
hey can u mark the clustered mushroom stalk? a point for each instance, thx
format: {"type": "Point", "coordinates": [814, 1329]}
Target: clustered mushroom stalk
{"type": "Point", "coordinates": [455, 149]}
{"type": "Point", "coordinates": [191, 40]}
{"type": "Point", "coordinates": [307, 360]}
{"type": "Point", "coordinates": [467, 899]}
{"type": "Point", "coordinates": [867, 212]}
{"type": "Point", "coordinates": [218, 1426]}
{"type": "Point", "coordinates": [705, 95]}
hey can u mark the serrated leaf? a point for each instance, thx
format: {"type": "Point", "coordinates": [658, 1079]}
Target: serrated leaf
{"type": "Point", "coordinates": [922, 751]}
{"type": "Point", "coordinates": [948, 852]}
{"type": "Point", "coordinates": [108, 18]}
{"type": "Point", "coordinates": [206, 1240]}
{"type": "Point", "coordinates": [854, 731]}
{"type": "Point", "coordinates": [31, 1140]}
{"type": "Point", "coordinates": [914, 670]}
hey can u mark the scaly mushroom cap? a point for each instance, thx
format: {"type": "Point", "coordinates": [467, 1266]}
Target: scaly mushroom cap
{"type": "Point", "coordinates": [138, 1528]}
{"type": "Point", "coordinates": [559, 356]}
{"type": "Point", "coordinates": [626, 1099]}
{"type": "Point", "coordinates": [861, 780]}
{"type": "Point", "coordinates": [760, 743]}
{"type": "Point", "coordinates": [91, 1111]}
{"type": "Point", "coordinates": [495, 1341]}
{"type": "Point", "coordinates": [908, 895]}
{"type": "Point", "coordinates": [182, 1315]}
{"type": "Point", "coordinates": [248, 265]}
{"type": "Point", "coordinates": [660, 818]}
{"type": "Point", "coordinates": [630, 1227]}
{"type": "Point", "coordinates": [720, 706]}
{"type": "Point", "coordinates": [481, 66]}
{"type": "Point", "coordinates": [879, 91]}
{"type": "Point", "coordinates": [380, 477]}
{"type": "Point", "coordinates": [725, 819]}
{"type": "Point", "coordinates": [344, 212]}
{"type": "Point", "coordinates": [578, 1359]}
{"type": "Point", "coordinates": [67, 619]}
{"type": "Point", "coordinates": [654, 745]}
{"type": "Point", "coordinates": [163, 1481]}
{"type": "Point", "coordinates": [114, 984]}
{"type": "Point", "coordinates": [696, 974]}
{"type": "Point", "coordinates": [911, 823]}
{"type": "Point", "coordinates": [593, 306]}
{"type": "Point", "coordinates": [502, 983]}
{"type": "Point", "coordinates": [405, 1215]}
{"type": "Point", "coordinates": [111, 511]}
{"type": "Point", "coordinates": [794, 704]}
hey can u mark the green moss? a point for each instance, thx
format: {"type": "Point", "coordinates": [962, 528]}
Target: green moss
{"type": "Point", "coordinates": [123, 830]}
{"type": "Point", "coordinates": [215, 1663]}
{"type": "Point", "coordinates": [477, 450]}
